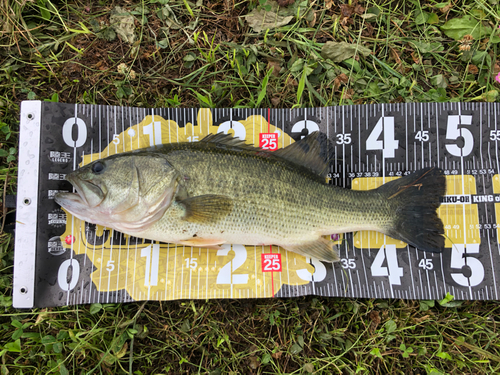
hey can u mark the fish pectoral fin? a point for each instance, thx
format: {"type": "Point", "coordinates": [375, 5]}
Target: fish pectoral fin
{"type": "Point", "coordinates": [321, 249]}
{"type": "Point", "coordinates": [203, 242]}
{"type": "Point", "coordinates": [206, 209]}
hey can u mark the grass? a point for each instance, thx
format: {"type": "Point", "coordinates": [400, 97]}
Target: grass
{"type": "Point", "coordinates": [192, 54]}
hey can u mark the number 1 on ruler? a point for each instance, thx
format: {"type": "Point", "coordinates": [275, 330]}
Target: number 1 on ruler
{"type": "Point", "coordinates": [152, 255]}
{"type": "Point", "coordinates": [154, 131]}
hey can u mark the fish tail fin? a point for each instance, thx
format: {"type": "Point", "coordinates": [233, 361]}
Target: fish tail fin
{"type": "Point", "coordinates": [415, 199]}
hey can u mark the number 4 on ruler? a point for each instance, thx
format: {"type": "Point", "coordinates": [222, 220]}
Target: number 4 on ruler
{"type": "Point", "coordinates": [389, 145]}
{"type": "Point", "coordinates": [392, 270]}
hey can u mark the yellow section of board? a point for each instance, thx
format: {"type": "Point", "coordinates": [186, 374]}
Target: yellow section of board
{"type": "Point", "coordinates": [461, 221]}
{"type": "Point", "coordinates": [155, 130]}
{"type": "Point", "coordinates": [159, 271]}
{"type": "Point", "coordinates": [496, 190]}
{"type": "Point", "coordinates": [370, 239]}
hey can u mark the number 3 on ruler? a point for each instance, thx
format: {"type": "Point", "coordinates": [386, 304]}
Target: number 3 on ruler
{"type": "Point", "coordinates": [475, 265]}
{"type": "Point", "coordinates": [392, 270]}
{"type": "Point", "coordinates": [319, 271]}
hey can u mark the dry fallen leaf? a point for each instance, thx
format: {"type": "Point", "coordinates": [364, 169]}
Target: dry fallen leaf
{"type": "Point", "coordinates": [341, 79]}
{"type": "Point", "coordinates": [275, 65]}
{"type": "Point", "coordinates": [338, 52]}
{"type": "Point", "coordinates": [473, 69]}
{"type": "Point", "coordinates": [312, 22]}
{"type": "Point", "coordinates": [284, 3]}
{"type": "Point", "coordinates": [260, 20]}
{"type": "Point", "coordinates": [395, 56]}
{"type": "Point", "coordinates": [375, 320]}
{"type": "Point", "coordinates": [446, 8]}
{"type": "Point", "coordinates": [415, 58]}
{"type": "Point", "coordinates": [277, 355]}
{"type": "Point", "coordinates": [123, 23]}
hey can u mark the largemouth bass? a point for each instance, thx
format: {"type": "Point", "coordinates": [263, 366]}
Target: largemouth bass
{"type": "Point", "coordinates": [221, 190]}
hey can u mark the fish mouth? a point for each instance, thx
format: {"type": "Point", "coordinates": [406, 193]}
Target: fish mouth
{"type": "Point", "coordinates": [88, 193]}
{"type": "Point", "coordinates": [75, 205]}
{"type": "Point", "coordinates": [70, 201]}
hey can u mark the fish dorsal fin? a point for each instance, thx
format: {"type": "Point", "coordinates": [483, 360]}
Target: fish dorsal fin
{"type": "Point", "coordinates": [227, 140]}
{"type": "Point", "coordinates": [307, 153]}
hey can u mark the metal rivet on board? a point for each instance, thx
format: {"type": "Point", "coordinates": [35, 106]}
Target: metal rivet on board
{"type": "Point", "coordinates": [27, 201]}
{"type": "Point", "coordinates": [23, 290]}
{"type": "Point", "coordinates": [30, 116]}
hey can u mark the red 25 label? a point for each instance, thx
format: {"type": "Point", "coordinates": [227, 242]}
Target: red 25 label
{"type": "Point", "coordinates": [271, 262]}
{"type": "Point", "coordinates": [268, 141]}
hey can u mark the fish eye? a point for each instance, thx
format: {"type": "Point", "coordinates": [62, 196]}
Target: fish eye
{"type": "Point", "coordinates": [98, 167]}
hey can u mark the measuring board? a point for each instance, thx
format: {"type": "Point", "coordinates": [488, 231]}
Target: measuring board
{"type": "Point", "coordinates": [60, 260]}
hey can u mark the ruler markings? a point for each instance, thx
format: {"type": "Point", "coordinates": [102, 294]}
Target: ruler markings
{"type": "Point", "coordinates": [462, 165]}
{"type": "Point", "coordinates": [463, 193]}
{"type": "Point", "coordinates": [422, 130]}
{"type": "Point", "coordinates": [411, 271]}
{"type": "Point", "coordinates": [72, 218]}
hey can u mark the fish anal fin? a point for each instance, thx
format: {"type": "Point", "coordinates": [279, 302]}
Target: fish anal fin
{"type": "Point", "coordinates": [203, 242]}
{"type": "Point", "coordinates": [321, 249]}
{"type": "Point", "coordinates": [204, 209]}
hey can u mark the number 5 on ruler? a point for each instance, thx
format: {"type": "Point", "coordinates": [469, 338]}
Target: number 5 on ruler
{"type": "Point", "coordinates": [459, 261]}
{"type": "Point", "coordinates": [453, 132]}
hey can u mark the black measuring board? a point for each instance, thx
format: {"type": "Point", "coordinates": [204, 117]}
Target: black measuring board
{"type": "Point", "coordinates": [60, 260]}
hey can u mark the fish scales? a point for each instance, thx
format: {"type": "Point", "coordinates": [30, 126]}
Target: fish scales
{"type": "Point", "coordinates": [270, 197]}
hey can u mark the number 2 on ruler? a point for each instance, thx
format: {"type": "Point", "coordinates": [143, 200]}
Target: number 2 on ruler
{"type": "Point", "coordinates": [225, 275]}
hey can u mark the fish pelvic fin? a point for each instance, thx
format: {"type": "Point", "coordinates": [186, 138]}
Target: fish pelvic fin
{"type": "Point", "coordinates": [321, 249]}
{"type": "Point", "coordinates": [204, 209]}
{"type": "Point", "coordinates": [205, 243]}
{"type": "Point", "coordinates": [414, 199]}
